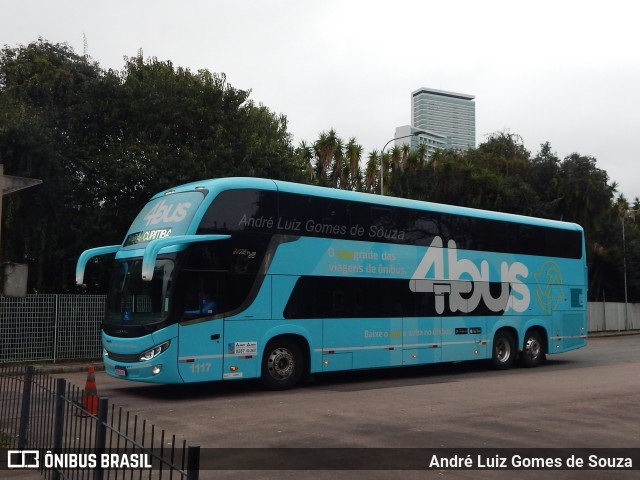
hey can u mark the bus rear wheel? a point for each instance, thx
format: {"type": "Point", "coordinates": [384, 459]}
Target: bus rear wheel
{"type": "Point", "coordinates": [504, 350]}
{"type": "Point", "coordinates": [533, 353]}
{"type": "Point", "coordinates": [282, 364]}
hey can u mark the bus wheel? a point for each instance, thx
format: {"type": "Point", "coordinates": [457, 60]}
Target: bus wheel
{"type": "Point", "coordinates": [282, 364]}
{"type": "Point", "coordinates": [533, 353]}
{"type": "Point", "coordinates": [504, 350]}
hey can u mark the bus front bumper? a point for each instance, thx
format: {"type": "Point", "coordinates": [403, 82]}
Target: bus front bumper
{"type": "Point", "coordinates": [159, 369]}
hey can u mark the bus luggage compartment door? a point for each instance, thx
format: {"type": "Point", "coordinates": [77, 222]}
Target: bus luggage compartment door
{"type": "Point", "coordinates": [373, 342]}
{"type": "Point", "coordinates": [421, 341]}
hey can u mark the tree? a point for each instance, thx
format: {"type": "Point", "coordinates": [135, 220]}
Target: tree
{"type": "Point", "coordinates": [40, 86]}
{"type": "Point", "coordinates": [372, 172]}
{"type": "Point", "coordinates": [545, 180]}
{"type": "Point", "coordinates": [325, 149]}
{"type": "Point", "coordinates": [353, 156]}
{"type": "Point", "coordinates": [335, 164]}
{"type": "Point", "coordinates": [105, 141]}
{"type": "Point", "coordinates": [304, 157]}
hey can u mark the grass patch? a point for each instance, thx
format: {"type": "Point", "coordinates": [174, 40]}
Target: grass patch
{"type": "Point", "coordinates": [5, 440]}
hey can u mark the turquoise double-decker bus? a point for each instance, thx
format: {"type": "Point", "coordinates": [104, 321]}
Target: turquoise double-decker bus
{"type": "Point", "coordinates": [241, 278]}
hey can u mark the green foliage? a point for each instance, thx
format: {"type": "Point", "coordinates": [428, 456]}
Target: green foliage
{"type": "Point", "coordinates": [39, 85]}
{"type": "Point", "coordinates": [332, 163]}
{"type": "Point", "coordinates": [105, 141]}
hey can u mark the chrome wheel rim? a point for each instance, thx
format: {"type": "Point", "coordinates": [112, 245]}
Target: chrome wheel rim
{"type": "Point", "coordinates": [532, 348]}
{"type": "Point", "coordinates": [503, 350]}
{"type": "Point", "coordinates": [281, 363]}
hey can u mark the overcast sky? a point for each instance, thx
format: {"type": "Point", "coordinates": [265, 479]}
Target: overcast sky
{"type": "Point", "coordinates": [567, 72]}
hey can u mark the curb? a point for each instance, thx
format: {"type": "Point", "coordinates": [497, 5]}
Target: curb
{"type": "Point", "coordinates": [51, 368]}
{"type": "Point", "coordinates": [613, 333]}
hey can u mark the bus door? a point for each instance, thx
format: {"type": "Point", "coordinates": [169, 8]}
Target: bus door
{"type": "Point", "coordinates": [200, 353]}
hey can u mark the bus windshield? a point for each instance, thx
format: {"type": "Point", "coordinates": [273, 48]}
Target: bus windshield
{"type": "Point", "coordinates": [132, 301]}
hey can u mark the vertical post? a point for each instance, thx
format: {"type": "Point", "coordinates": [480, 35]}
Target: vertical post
{"type": "Point", "coordinates": [101, 436]}
{"type": "Point", "coordinates": [55, 327]}
{"type": "Point", "coordinates": [58, 421]}
{"type": "Point", "coordinates": [382, 171]}
{"type": "Point", "coordinates": [624, 267]}
{"type": "Point", "coordinates": [604, 311]}
{"type": "Point", "coordinates": [25, 407]}
{"type": "Point", "coordinates": [1, 195]}
{"type": "Point", "coordinates": [193, 462]}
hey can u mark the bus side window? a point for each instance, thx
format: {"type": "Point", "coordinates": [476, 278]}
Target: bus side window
{"type": "Point", "coordinates": [528, 241]}
{"type": "Point", "coordinates": [203, 280]}
{"type": "Point", "coordinates": [337, 303]}
{"type": "Point", "coordinates": [203, 293]}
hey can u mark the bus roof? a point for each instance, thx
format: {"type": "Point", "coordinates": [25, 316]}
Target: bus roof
{"type": "Point", "coordinates": [217, 185]}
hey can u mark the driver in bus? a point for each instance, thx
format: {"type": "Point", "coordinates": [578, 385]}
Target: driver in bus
{"type": "Point", "coordinates": [206, 305]}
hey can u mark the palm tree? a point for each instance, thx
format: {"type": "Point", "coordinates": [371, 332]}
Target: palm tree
{"type": "Point", "coordinates": [353, 156]}
{"type": "Point", "coordinates": [371, 175]}
{"type": "Point", "coordinates": [397, 171]}
{"type": "Point", "coordinates": [406, 149]}
{"type": "Point", "coordinates": [325, 150]}
{"type": "Point", "coordinates": [397, 159]}
{"type": "Point", "coordinates": [304, 153]}
{"type": "Point", "coordinates": [339, 169]}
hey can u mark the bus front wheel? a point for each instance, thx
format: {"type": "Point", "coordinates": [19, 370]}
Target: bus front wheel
{"type": "Point", "coordinates": [504, 350]}
{"type": "Point", "coordinates": [282, 364]}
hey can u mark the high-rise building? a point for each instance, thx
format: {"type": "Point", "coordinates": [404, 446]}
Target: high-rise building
{"type": "Point", "coordinates": [446, 113]}
{"type": "Point", "coordinates": [415, 137]}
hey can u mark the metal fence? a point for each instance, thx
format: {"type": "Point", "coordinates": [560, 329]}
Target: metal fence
{"type": "Point", "coordinates": [67, 327]}
{"type": "Point", "coordinates": [69, 433]}
{"type": "Point", "coordinates": [50, 327]}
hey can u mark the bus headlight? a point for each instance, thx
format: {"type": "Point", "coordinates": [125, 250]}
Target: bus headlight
{"type": "Point", "coordinates": [154, 352]}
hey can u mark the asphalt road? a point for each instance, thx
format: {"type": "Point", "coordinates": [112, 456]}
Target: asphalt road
{"type": "Point", "coordinates": [589, 398]}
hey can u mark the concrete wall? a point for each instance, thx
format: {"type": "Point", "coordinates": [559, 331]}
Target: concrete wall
{"type": "Point", "coordinates": [611, 316]}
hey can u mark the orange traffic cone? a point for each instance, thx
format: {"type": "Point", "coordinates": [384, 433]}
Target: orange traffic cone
{"type": "Point", "coordinates": [90, 393]}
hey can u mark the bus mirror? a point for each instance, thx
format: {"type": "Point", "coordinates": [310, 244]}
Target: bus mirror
{"type": "Point", "coordinates": [88, 255]}
{"type": "Point", "coordinates": [153, 248]}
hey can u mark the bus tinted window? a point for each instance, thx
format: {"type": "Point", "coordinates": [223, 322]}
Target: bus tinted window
{"type": "Point", "coordinates": [218, 277]}
{"type": "Point", "coordinates": [306, 215]}
{"type": "Point", "coordinates": [361, 297]}
{"type": "Point", "coordinates": [313, 216]}
{"type": "Point", "coordinates": [241, 210]}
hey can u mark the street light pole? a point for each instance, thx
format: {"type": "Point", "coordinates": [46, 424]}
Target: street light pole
{"type": "Point", "coordinates": [382, 158]}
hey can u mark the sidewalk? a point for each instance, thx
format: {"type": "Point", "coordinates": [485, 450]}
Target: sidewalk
{"type": "Point", "coordinates": [68, 366]}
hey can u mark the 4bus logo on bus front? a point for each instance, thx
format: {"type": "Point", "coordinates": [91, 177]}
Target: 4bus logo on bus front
{"type": "Point", "coordinates": [167, 213]}
{"type": "Point", "coordinates": [465, 295]}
